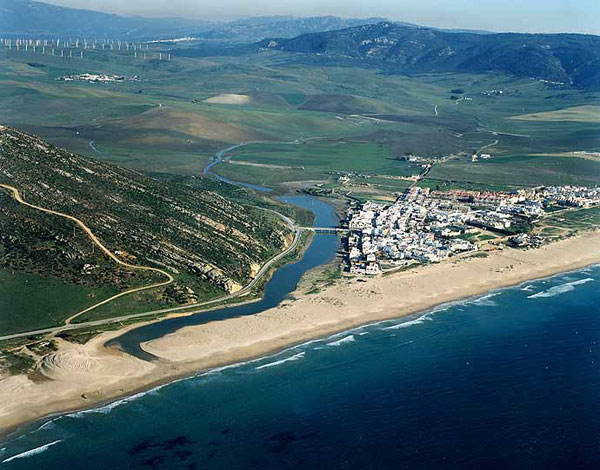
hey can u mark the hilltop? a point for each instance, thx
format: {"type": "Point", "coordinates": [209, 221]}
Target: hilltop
{"type": "Point", "coordinates": [570, 59]}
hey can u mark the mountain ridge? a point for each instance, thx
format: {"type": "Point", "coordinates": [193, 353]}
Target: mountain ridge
{"type": "Point", "coordinates": [568, 58]}
{"type": "Point", "coordinates": [29, 17]}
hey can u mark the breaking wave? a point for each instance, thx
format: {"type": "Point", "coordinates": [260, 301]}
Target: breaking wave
{"type": "Point", "coordinates": [416, 321]}
{"type": "Point", "coordinates": [29, 453]}
{"type": "Point", "coordinates": [561, 289]}
{"type": "Point", "coordinates": [47, 425]}
{"type": "Point", "coordinates": [295, 357]}
{"type": "Point", "coordinates": [112, 405]}
{"type": "Point", "coordinates": [485, 300]}
{"type": "Point", "coordinates": [344, 340]}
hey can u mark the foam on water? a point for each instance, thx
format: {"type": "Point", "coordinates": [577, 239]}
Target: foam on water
{"type": "Point", "coordinates": [434, 340]}
{"type": "Point", "coordinates": [561, 289]}
{"type": "Point", "coordinates": [295, 357]}
{"type": "Point", "coordinates": [237, 365]}
{"type": "Point", "coordinates": [485, 300]}
{"type": "Point", "coordinates": [344, 340]}
{"type": "Point", "coordinates": [46, 425]}
{"type": "Point", "coordinates": [409, 323]}
{"type": "Point", "coordinates": [105, 409]}
{"type": "Point", "coordinates": [346, 337]}
{"type": "Point", "coordinates": [29, 453]}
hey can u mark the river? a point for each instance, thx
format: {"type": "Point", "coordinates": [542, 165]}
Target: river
{"type": "Point", "coordinates": [321, 250]}
{"type": "Point", "coordinates": [505, 380]}
{"type": "Point", "coordinates": [218, 158]}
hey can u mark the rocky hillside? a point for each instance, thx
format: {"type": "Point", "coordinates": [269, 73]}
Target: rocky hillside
{"type": "Point", "coordinates": [572, 59]}
{"type": "Point", "coordinates": [195, 232]}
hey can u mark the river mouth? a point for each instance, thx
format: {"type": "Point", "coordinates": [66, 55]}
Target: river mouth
{"type": "Point", "coordinates": [321, 250]}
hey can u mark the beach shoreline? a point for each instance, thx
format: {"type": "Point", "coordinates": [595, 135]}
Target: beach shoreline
{"type": "Point", "coordinates": [79, 377]}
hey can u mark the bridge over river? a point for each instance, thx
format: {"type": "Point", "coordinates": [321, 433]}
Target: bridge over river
{"type": "Point", "coordinates": [325, 229]}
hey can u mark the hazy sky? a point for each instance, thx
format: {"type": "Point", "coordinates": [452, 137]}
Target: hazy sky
{"type": "Point", "coordinates": [496, 15]}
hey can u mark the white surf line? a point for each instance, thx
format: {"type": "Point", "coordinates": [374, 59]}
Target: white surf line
{"type": "Point", "coordinates": [93, 147]}
{"type": "Point", "coordinates": [29, 453]}
{"type": "Point", "coordinates": [339, 342]}
{"type": "Point", "coordinates": [435, 109]}
{"type": "Point", "coordinates": [560, 289]}
{"type": "Point", "coordinates": [295, 357]}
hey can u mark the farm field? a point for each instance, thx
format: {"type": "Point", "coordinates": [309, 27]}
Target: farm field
{"type": "Point", "coordinates": [181, 112]}
{"type": "Point", "coordinates": [572, 114]}
{"type": "Point", "coordinates": [525, 170]}
{"type": "Point", "coordinates": [359, 157]}
{"type": "Point", "coordinates": [567, 223]}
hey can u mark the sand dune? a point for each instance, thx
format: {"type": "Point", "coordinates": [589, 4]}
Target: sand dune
{"type": "Point", "coordinates": [78, 375]}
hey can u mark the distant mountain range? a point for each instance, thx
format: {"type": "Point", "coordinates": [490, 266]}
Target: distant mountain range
{"type": "Point", "coordinates": [572, 59]}
{"type": "Point", "coordinates": [254, 29]}
{"type": "Point", "coordinates": [26, 17]}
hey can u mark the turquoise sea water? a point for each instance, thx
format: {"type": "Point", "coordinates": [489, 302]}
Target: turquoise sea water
{"type": "Point", "coordinates": [507, 380]}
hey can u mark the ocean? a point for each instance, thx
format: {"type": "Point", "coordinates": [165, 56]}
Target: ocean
{"type": "Point", "coordinates": [506, 380]}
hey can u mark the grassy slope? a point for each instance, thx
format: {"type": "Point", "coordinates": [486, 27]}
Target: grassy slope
{"type": "Point", "coordinates": [168, 128]}
{"type": "Point", "coordinates": [147, 221]}
{"type": "Point", "coordinates": [31, 301]}
{"type": "Point", "coordinates": [126, 126]}
{"type": "Point", "coordinates": [572, 114]}
{"type": "Point", "coordinates": [522, 171]}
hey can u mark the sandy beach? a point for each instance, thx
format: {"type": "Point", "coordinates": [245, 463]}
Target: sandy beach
{"type": "Point", "coordinates": [80, 376]}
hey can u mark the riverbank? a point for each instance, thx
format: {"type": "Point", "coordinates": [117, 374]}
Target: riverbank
{"type": "Point", "coordinates": [82, 376]}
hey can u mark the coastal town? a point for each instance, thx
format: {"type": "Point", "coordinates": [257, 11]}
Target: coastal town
{"type": "Point", "coordinates": [424, 226]}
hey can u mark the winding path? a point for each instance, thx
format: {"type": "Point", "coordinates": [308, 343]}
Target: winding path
{"type": "Point", "coordinates": [169, 279]}
{"type": "Point", "coordinates": [481, 149]}
{"type": "Point", "coordinates": [71, 326]}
